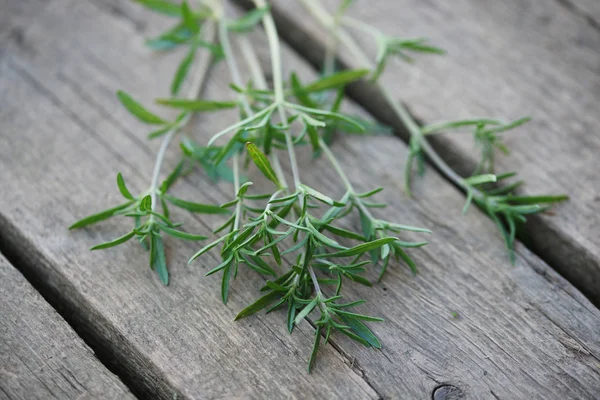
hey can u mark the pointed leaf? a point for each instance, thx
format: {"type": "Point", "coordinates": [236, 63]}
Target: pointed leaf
{"type": "Point", "coordinates": [361, 248]}
{"type": "Point", "coordinates": [115, 242]}
{"type": "Point", "coordinates": [336, 80]}
{"type": "Point", "coordinates": [180, 234]}
{"type": "Point", "coordinates": [306, 310]}
{"type": "Point", "coordinates": [196, 207]}
{"type": "Point", "coordinates": [321, 197]}
{"type": "Point", "coordinates": [262, 163]}
{"type": "Point", "coordinates": [123, 188]}
{"type": "Point", "coordinates": [101, 216]}
{"type": "Point", "coordinates": [361, 330]}
{"type": "Point", "coordinates": [137, 110]}
{"type": "Point", "coordinates": [158, 260]}
{"type": "Point", "coordinates": [197, 105]}
{"type": "Point", "coordinates": [248, 21]}
{"type": "Point", "coordinates": [182, 71]}
{"type": "Point", "coordinates": [162, 6]}
{"type": "Point", "coordinates": [258, 305]}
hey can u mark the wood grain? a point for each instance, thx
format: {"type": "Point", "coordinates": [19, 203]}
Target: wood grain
{"type": "Point", "coordinates": [507, 60]}
{"type": "Point", "coordinates": [40, 355]}
{"type": "Point", "coordinates": [521, 332]}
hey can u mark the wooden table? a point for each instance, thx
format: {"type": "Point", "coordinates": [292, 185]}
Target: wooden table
{"type": "Point", "coordinates": [470, 325]}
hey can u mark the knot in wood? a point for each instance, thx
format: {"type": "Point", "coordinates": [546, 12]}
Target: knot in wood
{"type": "Point", "coordinates": [447, 392]}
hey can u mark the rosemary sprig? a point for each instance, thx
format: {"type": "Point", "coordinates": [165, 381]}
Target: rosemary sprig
{"type": "Point", "coordinates": [501, 204]}
{"type": "Point", "coordinates": [294, 234]}
{"type": "Point", "coordinates": [262, 230]}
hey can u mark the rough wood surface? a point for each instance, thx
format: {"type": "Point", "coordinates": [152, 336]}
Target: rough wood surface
{"type": "Point", "coordinates": [40, 355]}
{"type": "Point", "coordinates": [521, 332]}
{"type": "Point", "coordinates": [505, 59]}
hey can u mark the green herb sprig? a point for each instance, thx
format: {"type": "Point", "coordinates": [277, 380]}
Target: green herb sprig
{"type": "Point", "coordinates": [294, 235]}
{"type": "Point", "coordinates": [506, 208]}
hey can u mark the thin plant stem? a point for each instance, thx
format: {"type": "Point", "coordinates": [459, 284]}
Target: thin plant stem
{"type": "Point", "coordinates": [315, 282]}
{"type": "Point", "coordinates": [236, 185]}
{"type": "Point", "coordinates": [275, 50]}
{"type": "Point", "coordinates": [321, 14]}
{"type": "Point", "coordinates": [258, 76]}
{"type": "Point", "coordinates": [194, 92]}
{"type": "Point", "coordinates": [252, 62]}
{"type": "Point", "coordinates": [336, 165]}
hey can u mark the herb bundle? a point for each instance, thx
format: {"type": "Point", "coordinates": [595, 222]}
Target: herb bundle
{"type": "Point", "coordinates": [294, 221]}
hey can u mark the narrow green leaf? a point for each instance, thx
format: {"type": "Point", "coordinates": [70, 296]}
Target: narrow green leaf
{"type": "Point", "coordinates": [225, 283]}
{"type": "Point", "coordinates": [258, 305]}
{"type": "Point", "coordinates": [182, 71]}
{"type": "Point", "coordinates": [208, 247]}
{"type": "Point", "coordinates": [344, 233]}
{"type": "Point", "coordinates": [221, 266]}
{"type": "Point", "coordinates": [536, 199]}
{"type": "Point", "coordinates": [243, 189]}
{"type": "Point", "coordinates": [180, 234]}
{"type": "Point", "coordinates": [321, 197]}
{"type": "Point", "coordinates": [115, 242]}
{"type": "Point", "coordinates": [301, 95]}
{"type": "Point", "coordinates": [161, 6]}
{"type": "Point", "coordinates": [248, 21]}
{"type": "Point", "coordinates": [196, 207]}
{"type": "Point", "coordinates": [306, 310]}
{"type": "Point", "coordinates": [146, 203]}
{"type": "Point", "coordinates": [361, 248]}
{"type": "Point", "coordinates": [313, 135]}
{"type": "Point", "coordinates": [361, 330]}
{"type": "Point", "coordinates": [188, 18]}
{"type": "Point", "coordinates": [336, 80]}
{"type": "Point", "coordinates": [315, 350]}
{"type": "Point", "coordinates": [262, 162]}
{"type": "Point", "coordinates": [406, 258]}
{"type": "Point", "coordinates": [359, 279]}
{"type": "Point", "coordinates": [123, 188]}
{"type": "Point", "coordinates": [291, 314]}
{"type": "Point", "coordinates": [159, 262]}
{"type": "Point", "coordinates": [359, 316]}
{"type": "Point", "coordinates": [370, 193]}
{"type": "Point", "coordinates": [101, 216]}
{"type": "Point", "coordinates": [138, 111]}
{"type": "Point", "coordinates": [197, 105]}
{"type": "Point", "coordinates": [480, 179]}
{"type": "Point", "coordinates": [176, 173]}
{"type": "Point", "coordinates": [159, 132]}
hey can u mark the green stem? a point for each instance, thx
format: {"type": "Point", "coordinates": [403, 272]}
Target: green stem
{"type": "Point", "coordinates": [236, 185]}
{"type": "Point", "coordinates": [315, 282]}
{"type": "Point", "coordinates": [194, 92]}
{"type": "Point", "coordinates": [275, 50]}
{"type": "Point", "coordinates": [326, 19]}
{"type": "Point", "coordinates": [336, 165]}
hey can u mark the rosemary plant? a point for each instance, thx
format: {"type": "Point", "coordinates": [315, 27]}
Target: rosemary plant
{"type": "Point", "coordinates": [291, 235]}
{"type": "Point", "coordinates": [500, 202]}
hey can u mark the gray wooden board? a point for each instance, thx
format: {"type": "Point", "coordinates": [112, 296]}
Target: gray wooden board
{"type": "Point", "coordinates": [505, 59]}
{"type": "Point", "coordinates": [588, 9]}
{"type": "Point", "coordinates": [40, 355]}
{"type": "Point", "coordinates": [521, 331]}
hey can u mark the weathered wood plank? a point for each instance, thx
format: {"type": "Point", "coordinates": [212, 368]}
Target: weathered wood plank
{"type": "Point", "coordinates": [505, 59]}
{"type": "Point", "coordinates": [588, 9]}
{"type": "Point", "coordinates": [522, 331]}
{"type": "Point", "coordinates": [40, 355]}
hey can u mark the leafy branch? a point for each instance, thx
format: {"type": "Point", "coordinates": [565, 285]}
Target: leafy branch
{"type": "Point", "coordinates": [500, 203]}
